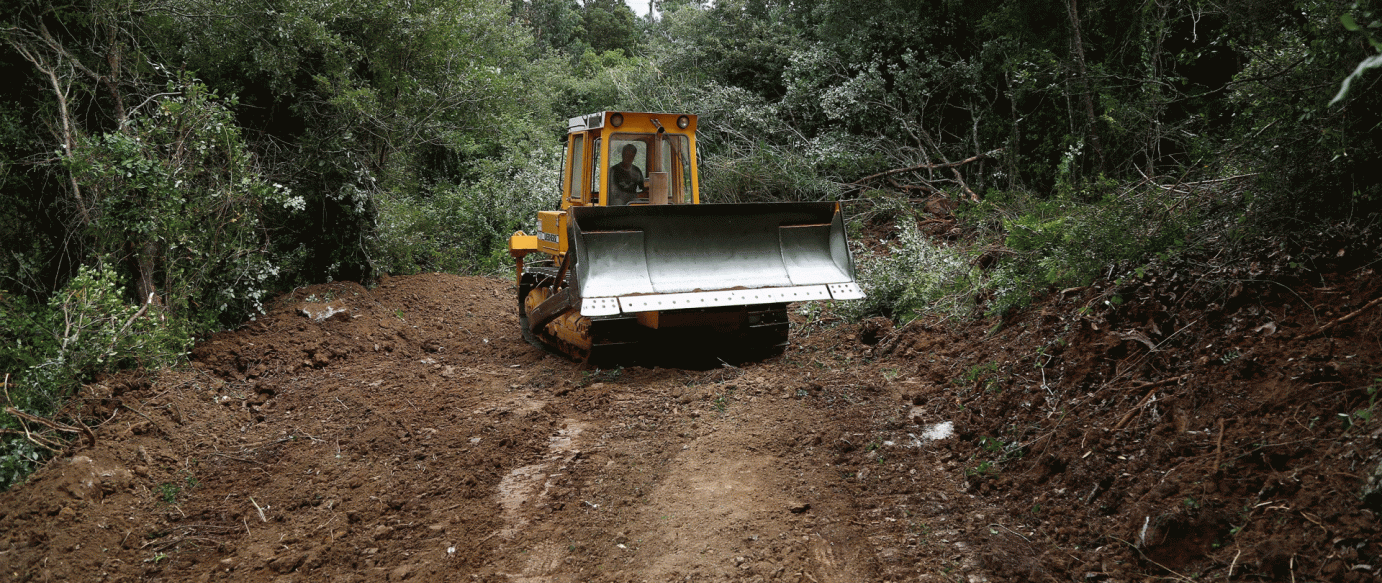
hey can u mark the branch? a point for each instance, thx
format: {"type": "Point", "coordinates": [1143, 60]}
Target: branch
{"type": "Point", "coordinates": [55, 426]}
{"type": "Point", "coordinates": [1344, 318]}
{"type": "Point", "coordinates": [927, 167]}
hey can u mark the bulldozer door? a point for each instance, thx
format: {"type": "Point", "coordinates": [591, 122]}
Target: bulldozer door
{"type": "Point", "coordinates": [575, 183]}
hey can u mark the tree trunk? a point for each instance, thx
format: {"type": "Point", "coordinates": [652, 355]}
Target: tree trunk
{"type": "Point", "coordinates": [1086, 87]}
{"type": "Point", "coordinates": [146, 258]}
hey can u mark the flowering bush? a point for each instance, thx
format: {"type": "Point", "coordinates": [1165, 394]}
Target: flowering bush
{"type": "Point", "coordinates": [175, 197]}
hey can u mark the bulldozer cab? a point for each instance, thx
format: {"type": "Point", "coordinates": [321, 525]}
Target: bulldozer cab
{"type": "Point", "coordinates": [630, 159]}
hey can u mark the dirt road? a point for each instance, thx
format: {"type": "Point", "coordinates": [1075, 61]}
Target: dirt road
{"type": "Point", "coordinates": [407, 432]}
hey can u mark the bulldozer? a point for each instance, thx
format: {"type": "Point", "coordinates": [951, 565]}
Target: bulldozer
{"type": "Point", "coordinates": [629, 258]}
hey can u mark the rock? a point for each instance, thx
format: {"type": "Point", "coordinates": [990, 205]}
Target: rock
{"type": "Point", "coordinates": [1372, 490]}
{"type": "Point", "coordinates": [798, 507]}
{"type": "Point", "coordinates": [81, 473]}
{"type": "Point", "coordinates": [401, 573]}
{"type": "Point", "coordinates": [286, 563]}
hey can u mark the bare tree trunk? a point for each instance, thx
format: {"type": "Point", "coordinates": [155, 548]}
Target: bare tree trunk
{"type": "Point", "coordinates": [1155, 101]}
{"type": "Point", "coordinates": [66, 134]}
{"type": "Point", "coordinates": [1015, 145]}
{"type": "Point", "coordinates": [1087, 89]}
{"type": "Point", "coordinates": [147, 263]}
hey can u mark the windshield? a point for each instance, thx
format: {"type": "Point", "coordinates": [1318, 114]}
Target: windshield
{"type": "Point", "coordinates": [657, 160]}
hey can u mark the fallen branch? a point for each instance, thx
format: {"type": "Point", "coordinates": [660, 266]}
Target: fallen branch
{"type": "Point", "coordinates": [35, 439]}
{"type": "Point", "coordinates": [55, 426]}
{"type": "Point", "coordinates": [1161, 382]}
{"type": "Point", "coordinates": [926, 167]}
{"type": "Point", "coordinates": [972, 196]}
{"type": "Point", "coordinates": [1180, 184]}
{"type": "Point", "coordinates": [1343, 319]}
{"type": "Point", "coordinates": [1153, 387]}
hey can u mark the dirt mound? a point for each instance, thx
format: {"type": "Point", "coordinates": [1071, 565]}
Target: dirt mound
{"type": "Point", "coordinates": [1170, 428]}
{"type": "Point", "coordinates": [407, 432]}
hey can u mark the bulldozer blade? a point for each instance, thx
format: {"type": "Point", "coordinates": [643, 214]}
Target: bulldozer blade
{"type": "Point", "coordinates": [663, 257]}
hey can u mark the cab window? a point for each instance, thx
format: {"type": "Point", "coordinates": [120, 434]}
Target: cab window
{"type": "Point", "coordinates": [575, 186]}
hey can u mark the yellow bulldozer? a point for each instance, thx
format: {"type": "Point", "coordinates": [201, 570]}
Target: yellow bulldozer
{"type": "Point", "coordinates": [632, 256]}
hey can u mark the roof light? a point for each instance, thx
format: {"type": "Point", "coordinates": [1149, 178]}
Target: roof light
{"type": "Point", "coordinates": [616, 120]}
{"type": "Point", "coordinates": [683, 121]}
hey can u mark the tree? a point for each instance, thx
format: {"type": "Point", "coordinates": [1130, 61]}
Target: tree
{"type": "Point", "coordinates": [609, 25]}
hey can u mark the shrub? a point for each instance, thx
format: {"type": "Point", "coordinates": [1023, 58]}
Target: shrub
{"type": "Point", "coordinates": [914, 275]}
{"type": "Point", "coordinates": [49, 350]}
{"type": "Point", "coordinates": [1064, 241]}
{"type": "Point", "coordinates": [464, 228]}
{"type": "Point", "coordinates": [175, 196]}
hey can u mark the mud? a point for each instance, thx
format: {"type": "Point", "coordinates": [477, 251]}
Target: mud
{"type": "Point", "coordinates": [1157, 429]}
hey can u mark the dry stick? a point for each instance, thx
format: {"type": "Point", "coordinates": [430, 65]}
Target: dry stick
{"type": "Point", "coordinates": [261, 510]}
{"type": "Point", "coordinates": [1153, 387]}
{"type": "Point", "coordinates": [925, 167]}
{"type": "Point", "coordinates": [1344, 318]}
{"type": "Point", "coordinates": [1019, 535]}
{"type": "Point", "coordinates": [219, 454]}
{"type": "Point", "coordinates": [972, 196]}
{"type": "Point", "coordinates": [55, 426]}
{"type": "Point", "coordinates": [1219, 447]}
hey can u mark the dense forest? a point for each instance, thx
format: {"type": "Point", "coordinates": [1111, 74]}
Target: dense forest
{"type": "Point", "coordinates": [168, 165]}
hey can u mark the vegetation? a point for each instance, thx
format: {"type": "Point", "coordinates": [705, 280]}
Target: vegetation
{"type": "Point", "coordinates": [164, 166]}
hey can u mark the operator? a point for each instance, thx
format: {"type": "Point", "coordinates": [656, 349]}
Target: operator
{"type": "Point", "coordinates": [625, 179]}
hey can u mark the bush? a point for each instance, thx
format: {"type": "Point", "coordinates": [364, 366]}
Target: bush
{"type": "Point", "coordinates": [465, 228]}
{"type": "Point", "coordinates": [49, 350]}
{"type": "Point", "coordinates": [914, 275]}
{"type": "Point", "coordinates": [177, 198]}
{"type": "Point", "coordinates": [1066, 242]}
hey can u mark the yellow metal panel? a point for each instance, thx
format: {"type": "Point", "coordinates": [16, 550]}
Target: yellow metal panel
{"type": "Point", "coordinates": [521, 244]}
{"type": "Point", "coordinates": [551, 236]}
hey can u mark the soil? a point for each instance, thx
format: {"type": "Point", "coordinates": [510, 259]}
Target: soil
{"type": "Point", "coordinates": [1162, 428]}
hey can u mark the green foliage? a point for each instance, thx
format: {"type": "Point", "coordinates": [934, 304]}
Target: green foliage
{"type": "Point", "coordinates": [609, 25]}
{"type": "Point", "coordinates": [557, 25]}
{"type": "Point", "coordinates": [168, 493]}
{"type": "Point", "coordinates": [600, 376]}
{"type": "Point", "coordinates": [1064, 241]}
{"type": "Point", "coordinates": [1363, 414]}
{"type": "Point", "coordinates": [177, 186]}
{"type": "Point", "coordinates": [915, 274]}
{"type": "Point", "coordinates": [465, 227]}
{"type": "Point", "coordinates": [1372, 62]}
{"type": "Point", "coordinates": [985, 374]}
{"type": "Point", "coordinates": [49, 350]}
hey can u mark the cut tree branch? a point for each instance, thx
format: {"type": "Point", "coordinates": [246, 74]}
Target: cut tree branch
{"type": "Point", "coordinates": [927, 167]}
{"type": "Point", "coordinates": [1344, 318]}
